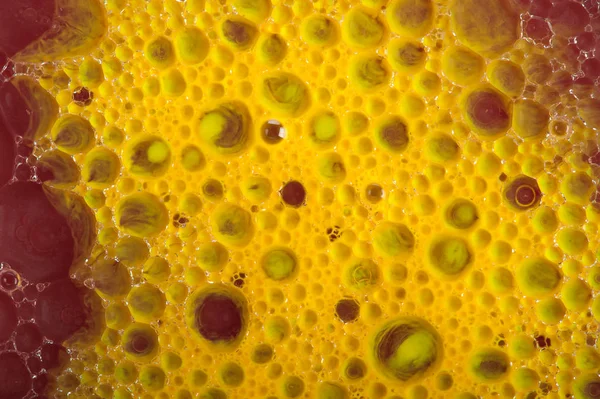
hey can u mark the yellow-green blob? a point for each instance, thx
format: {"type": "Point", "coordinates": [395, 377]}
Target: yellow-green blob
{"type": "Point", "coordinates": [190, 204]}
{"type": "Point", "coordinates": [441, 148]}
{"type": "Point", "coordinates": [449, 256]}
{"type": "Point", "coordinates": [406, 349]}
{"type": "Point", "coordinates": [262, 353]}
{"type": "Point", "coordinates": [73, 134]}
{"type": "Point", "coordinates": [524, 379]}
{"type": "Point", "coordinates": [271, 49]}
{"type": "Point", "coordinates": [90, 73]}
{"type": "Point", "coordinates": [571, 214]}
{"type": "Point", "coordinates": [212, 190]}
{"type": "Point", "coordinates": [277, 329]}
{"type": "Point", "coordinates": [324, 129]}
{"type": "Point", "coordinates": [369, 72]}
{"type": "Point", "coordinates": [232, 225]}
{"type": "Point", "coordinates": [292, 386]}
{"type": "Point", "coordinates": [213, 393]}
{"type": "Point", "coordinates": [577, 187]}
{"type": "Point", "coordinates": [192, 159]}
{"type": "Point", "coordinates": [152, 378]}
{"type": "Point", "coordinates": [63, 169]}
{"type": "Point", "coordinates": [488, 365]}
{"type": "Point", "coordinates": [284, 94]}
{"type": "Point", "coordinates": [393, 240]}
{"type": "Point", "coordinates": [593, 277]}
{"type": "Point", "coordinates": [231, 374]}
{"type": "Point", "coordinates": [140, 342]}
{"type": "Point", "coordinates": [256, 11]}
{"type": "Point", "coordinates": [462, 66]}
{"type": "Point", "coordinates": [225, 130]}
{"type": "Point", "coordinates": [176, 293]}
{"type": "Point", "coordinates": [461, 214]}
{"type": "Point", "coordinates": [117, 316]}
{"type": "Point", "coordinates": [576, 295]}
{"type": "Point", "coordinates": [122, 393]}
{"type": "Point", "coordinates": [507, 77]}
{"type": "Point", "coordinates": [362, 275]}
{"type": "Point", "coordinates": [319, 31]}
{"type": "Point", "coordinates": [146, 302]}
{"type": "Point", "coordinates": [111, 278]}
{"type": "Point", "coordinates": [412, 106]}
{"type": "Point", "coordinates": [545, 220]}
{"type": "Point", "coordinates": [355, 123]}
{"type": "Point", "coordinates": [45, 106]}
{"type": "Point", "coordinates": [156, 270]}
{"type": "Point", "coordinates": [354, 369]}
{"type": "Point", "coordinates": [160, 52]}
{"type": "Point", "coordinates": [141, 215]}
{"type": "Point", "coordinates": [279, 264]}
{"type": "Point", "coordinates": [530, 119]}
{"type": "Point", "coordinates": [132, 251]}
{"type": "Point", "coordinates": [212, 256]}
{"type": "Point", "coordinates": [426, 84]}
{"type": "Point", "coordinates": [331, 168]}
{"type": "Point", "coordinates": [587, 386]}
{"type": "Point", "coordinates": [572, 241]}
{"type": "Point", "coordinates": [406, 56]}
{"type": "Point", "coordinates": [256, 189]}
{"type": "Point", "coordinates": [172, 83]}
{"type": "Point", "coordinates": [238, 33]}
{"type": "Point", "coordinates": [362, 28]}
{"type": "Point", "coordinates": [538, 277]}
{"type": "Point", "coordinates": [151, 87]}
{"type": "Point", "coordinates": [550, 310]}
{"type": "Point", "coordinates": [331, 390]}
{"type": "Point", "coordinates": [125, 372]}
{"type": "Point", "coordinates": [587, 359]}
{"type": "Point", "coordinates": [410, 18]}
{"type": "Point", "coordinates": [521, 346]}
{"type": "Point", "coordinates": [191, 45]}
{"type": "Point", "coordinates": [444, 381]}
{"type": "Point", "coordinates": [501, 280]}
{"type": "Point", "coordinates": [112, 136]}
{"type": "Point", "coordinates": [95, 198]}
{"type": "Point", "coordinates": [170, 361]}
{"type": "Point", "coordinates": [147, 156]}
{"type": "Point", "coordinates": [101, 167]}
{"type": "Point", "coordinates": [392, 134]}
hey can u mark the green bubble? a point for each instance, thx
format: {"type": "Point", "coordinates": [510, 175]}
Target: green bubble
{"type": "Point", "coordinates": [238, 33]}
{"type": "Point", "coordinates": [183, 394]}
{"type": "Point", "coordinates": [369, 72]}
{"type": "Point", "coordinates": [331, 167]}
{"type": "Point", "coordinates": [572, 241]}
{"type": "Point", "coordinates": [125, 372]}
{"type": "Point", "coordinates": [324, 130]}
{"type": "Point", "coordinates": [362, 275]}
{"type": "Point", "coordinates": [132, 251]}
{"type": "Point", "coordinates": [212, 256]}
{"type": "Point", "coordinates": [331, 390]}
{"type": "Point", "coordinates": [146, 303]}
{"type": "Point", "coordinates": [292, 386]}
{"type": "Point", "coordinates": [198, 378]}
{"type": "Point", "coordinates": [521, 346]}
{"type": "Point", "coordinates": [392, 135]}
{"type": "Point", "coordinates": [231, 374]}
{"type": "Point", "coordinates": [418, 392]}
{"type": "Point", "coordinates": [361, 28]}
{"type": "Point", "coordinates": [271, 49]}
{"type": "Point", "coordinates": [355, 123]}
{"type": "Point", "coordinates": [192, 45]}
{"type": "Point", "coordinates": [354, 369]}
{"type": "Point", "coordinates": [284, 94]}
{"type": "Point", "coordinates": [501, 280]}
{"type": "Point", "coordinates": [550, 310]}
{"type": "Point", "coordinates": [279, 264]}
{"type": "Point", "coordinates": [461, 214]}
{"type": "Point", "coordinates": [577, 187]}
{"type": "Point", "coordinates": [524, 379]}
{"type": "Point", "coordinates": [595, 308]}
{"type": "Point", "coordinates": [441, 148]}
{"type": "Point", "coordinates": [213, 393]}
{"type": "Point", "coordinates": [319, 31]}
{"type": "Point", "coordinates": [156, 270]}
{"type": "Point", "coordinates": [587, 386]}
{"type": "Point", "coordinates": [262, 353]}
{"type": "Point", "coordinates": [160, 52]}
{"type": "Point", "coordinates": [152, 378]}
{"type": "Point", "coordinates": [212, 190]}
{"type": "Point", "coordinates": [465, 395]}
{"type": "Point", "coordinates": [192, 159]}
{"type": "Point", "coordinates": [122, 393]}
{"type": "Point", "coordinates": [73, 134]}
{"type": "Point", "coordinates": [576, 294]}
{"type": "Point", "coordinates": [593, 277]}
{"type": "Point", "coordinates": [538, 277]}
{"type": "Point", "coordinates": [140, 342]}
{"type": "Point", "coordinates": [117, 316]}
{"type": "Point", "coordinates": [170, 361]}
{"type": "Point", "coordinates": [406, 349]}
{"type": "Point", "coordinates": [277, 329]}
{"type": "Point", "coordinates": [232, 225]}
{"type": "Point", "coordinates": [444, 381]}
{"type": "Point", "coordinates": [489, 365]}
{"type": "Point", "coordinates": [449, 256]}
{"type": "Point", "coordinates": [256, 189]}
{"type": "Point", "coordinates": [225, 129]}
{"type": "Point", "coordinates": [393, 239]}
{"type": "Point", "coordinates": [587, 358]}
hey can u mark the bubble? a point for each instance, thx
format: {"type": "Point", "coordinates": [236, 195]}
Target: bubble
{"type": "Point", "coordinates": [577, 187]}
{"type": "Point", "coordinates": [524, 379]}
{"type": "Point", "coordinates": [462, 66]}
{"type": "Point", "coordinates": [550, 310]}
{"type": "Point", "coordinates": [406, 349]}
{"type": "Point", "coordinates": [369, 72]}
{"type": "Point", "coordinates": [331, 167]}
{"type": "Point", "coordinates": [530, 119]}
{"type": "Point", "coordinates": [255, 10]}
{"type": "Point", "coordinates": [572, 241]}
{"type": "Point", "coordinates": [141, 215]}
{"type": "Point", "coordinates": [362, 28]}
{"type": "Point", "coordinates": [319, 31]}
{"type": "Point", "coordinates": [271, 49]}
{"type": "Point", "coordinates": [347, 310]}
{"type": "Point", "coordinates": [192, 159]}
{"type": "Point", "coordinates": [73, 134]}
{"type": "Point", "coordinates": [406, 56]}
{"type": "Point", "coordinates": [587, 386]}
{"type": "Point", "coordinates": [140, 343]}
{"type": "Point", "coordinates": [256, 189]}
{"type": "Point", "coordinates": [538, 277]}
{"type": "Point", "coordinates": [148, 156]}
{"type": "Point", "coordinates": [522, 193]}
{"type": "Point", "coordinates": [576, 294]}
{"type": "Point", "coordinates": [273, 132]}
{"type": "Point", "coordinates": [488, 365]}
{"type": "Point", "coordinates": [58, 169]}
{"type": "Point", "coordinates": [324, 130]}
{"type": "Point", "coordinates": [132, 251]}
{"type": "Point", "coordinates": [410, 18]}
{"type": "Point", "coordinates": [191, 45]}
{"type": "Point", "coordinates": [461, 214]}
{"type": "Point", "coordinates": [218, 316]}
{"type": "Point", "coordinates": [212, 190]}
{"type": "Point", "coordinates": [111, 278]}
{"type": "Point", "coordinates": [14, 375]}
{"type": "Point", "coordinates": [441, 148]}
{"type": "Point", "coordinates": [292, 386]}
{"type": "Point", "coordinates": [152, 378]}
{"type": "Point", "coordinates": [213, 393]}
{"type": "Point", "coordinates": [101, 168]}
{"type": "Point", "coordinates": [91, 73]}
{"type": "Point", "coordinates": [279, 264]}
{"type": "Point", "coordinates": [393, 239]}
{"type": "Point", "coordinates": [331, 390]}
{"type": "Point", "coordinates": [231, 374]}
{"type": "Point", "coordinates": [507, 77]}
{"type": "Point", "coordinates": [362, 275]}
{"type": "Point", "coordinates": [232, 225]}
{"type": "Point", "coordinates": [172, 83]}
{"type": "Point", "coordinates": [449, 256]}
{"type": "Point", "coordinates": [225, 130]}
{"type": "Point", "coordinates": [284, 94]}
{"type": "Point", "coordinates": [545, 220]}
{"type": "Point", "coordinates": [392, 134]}
{"type": "Point", "coordinates": [146, 303]}
{"type": "Point", "coordinates": [262, 353]}
{"type": "Point", "coordinates": [160, 52]}
{"type": "Point", "coordinates": [238, 33]}
{"type": "Point", "coordinates": [486, 111]}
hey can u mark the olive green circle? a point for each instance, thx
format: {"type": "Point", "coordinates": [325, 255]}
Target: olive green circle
{"type": "Point", "coordinates": [279, 264]}
{"type": "Point", "coordinates": [449, 256]}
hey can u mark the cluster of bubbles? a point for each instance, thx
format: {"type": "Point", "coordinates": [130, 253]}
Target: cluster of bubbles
{"type": "Point", "coordinates": [284, 199]}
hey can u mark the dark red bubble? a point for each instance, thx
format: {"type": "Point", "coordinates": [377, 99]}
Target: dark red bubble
{"type": "Point", "coordinates": [22, 22]}
{"type": "Point", "coordinates": [26, 310]}
{"type": "Point", "coordinates": [538, 30]}
{"type": "Point", "coordinates": [60, 311]}
{"type": "Point", "coordinates": [347, 310]}
{"type": "Point", "coordinates": [488, 111]}
{"type": "Point", "coordinates": [15, 380]}
{"type": "Point", "coordinates": [40, 382]}
{"type": "Point", "coordinates": [273, 132]}
{"type": "Point", "coordinates": [586, 41]}
{"type": "Point", "coordinates": [569, 18]}
{"type": "Point", "coordinates": [34, 238]}
{"type": "Point", "coordinates": [14, 110]}
{"type": "Point", "coordinates": [35, 364]}
{"type": "Point", "coordinates": [591, 68]}
{"type": "Point", "coordinates": [82, 96]}
{"type": "Point", "coordinates": [293, 193]}
{"type": "Point", "coordinates": [540, 8]}
{"type": "Point", "coordinates": [8, 317]}
{"type": "Point", "coordinates": [28, 338]}
{"type": "Point", "coordinates": [9, 280]}
{"type": "Point", "coordinates": [53, 355]}
{"type": "Point", "coordinates": [219, 318]}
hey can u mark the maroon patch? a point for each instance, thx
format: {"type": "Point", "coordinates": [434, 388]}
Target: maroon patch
{"type": "Point", "coordinates": [15, 380]}
{"type": "Point", "coordinates": [8, 317]}
{"type": "Point", "coordinates": [22, 22]}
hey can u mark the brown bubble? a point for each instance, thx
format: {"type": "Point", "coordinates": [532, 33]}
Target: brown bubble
{"type": "Point", "coordinates": [293, 193]}
{"type": "Point", "coordinates": [523, 193]}
{"type": "Point", "coordinates": [374, 193]}
{"type": "Point", "coordinates": [8, 315]}
{"type": "Point", "coordinates": [15, 379]}
{"type": "Point", "coordinates": [28, 337]}
{"type": "Point", "coordinates": [488, 111]}
{"type": "Point", "coordinates": [592, 389]}
{"type": "Point", "coordinates": [212, 190]}
{"type": "Point", "coordinates": [218, 318]}
{"type": "Point", "coordinates": [347, 310]}
{"type": "Point", "coordinates": [273, 131]}
{"type": "Point", "coordinates": [9, 280]}
{"type": "Point", "coordinates": [82, 96]}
